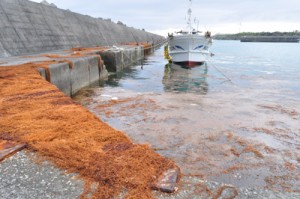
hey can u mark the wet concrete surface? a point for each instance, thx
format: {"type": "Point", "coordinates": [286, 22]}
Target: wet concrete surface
{"type": "Point", "coordinates": [197, 188]}
{"type": "Point", "coordinates": [226, 149]}
{"type": "Point", "coordinates": [23, 178]}
{"type": "Point", "coordinates": [243, 132]}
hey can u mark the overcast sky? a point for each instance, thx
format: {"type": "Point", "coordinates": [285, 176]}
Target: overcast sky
{"type": "Point", "coordinates": [218, 16]}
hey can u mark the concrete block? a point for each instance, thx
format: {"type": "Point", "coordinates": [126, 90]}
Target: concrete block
{"type": "Point", "coordinates": [94, 70]}
{"type": "Point", "coordinates": [60, 76]}
{"type": "Point", "coordinates": [113, 60]}
{"type": "Point", "coordinates": [80, 75]}
{"type": "Point", "coordinates": [141, 52]}
{"type": "Point", "coordinates": [42, 72]}
{"type": "Point", "coordinates": [103, 73]}
{"type": "Point", "coordinates": [132, 55]}
{"type": "Point", "coordinates": [127, 57]}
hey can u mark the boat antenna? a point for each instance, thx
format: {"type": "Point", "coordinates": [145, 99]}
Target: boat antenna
{"type": "Point", "coordinates": [196, 21]}
{"type": "Point", "coordinates": [190, 17]}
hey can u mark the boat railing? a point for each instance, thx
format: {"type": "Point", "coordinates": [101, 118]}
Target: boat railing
{"type": "Point", "coordinates": [187, 32]}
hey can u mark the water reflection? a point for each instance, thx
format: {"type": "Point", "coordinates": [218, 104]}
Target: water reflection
{"type": "Point", "coordinates": [180, 79]}
{"type": "Point", "coordinates": [127, 73]}
{"type": "Point", "coordinates": [250, 133]}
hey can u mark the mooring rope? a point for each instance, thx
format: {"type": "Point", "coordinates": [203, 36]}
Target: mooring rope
{"type": "Point", "coordinates": [216, 68]}
{"type": "Point", "coordinates": [222, 73]}
{"type": "Point", "coordinates": [133, 48]}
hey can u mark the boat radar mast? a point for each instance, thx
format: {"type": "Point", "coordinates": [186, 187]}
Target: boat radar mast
{"type": "Point", "coordinates": [189, 22]}
{"type": "Point", "coordinates": [188, 47]}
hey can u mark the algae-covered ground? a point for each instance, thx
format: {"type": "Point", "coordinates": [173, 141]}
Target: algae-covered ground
{"type": "Point", "coordinates": [233, 121]}
{"type": "Point", "coordinates": [65, 134]}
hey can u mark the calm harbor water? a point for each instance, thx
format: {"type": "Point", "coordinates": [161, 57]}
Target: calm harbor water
{"type": "Point", "coordinates": [232, 120]}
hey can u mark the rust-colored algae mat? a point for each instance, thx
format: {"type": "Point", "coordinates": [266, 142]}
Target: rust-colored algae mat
{"type": "Point", "coordinates": [147, 46]}
{"type": "Point", "coordinates": [35, 112]}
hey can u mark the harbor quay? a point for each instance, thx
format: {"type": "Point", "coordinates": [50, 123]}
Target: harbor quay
{"type": "Point", "coordinates": [39, 115]}
{"type": "Point", "coordinates": [50, 146]}
{"type": "Point", "coordinates": [71, 70]}
{"type": "Point", "coordinates": [91, 108]}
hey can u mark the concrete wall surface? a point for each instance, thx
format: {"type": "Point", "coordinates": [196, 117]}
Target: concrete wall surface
{"type": "Point", "coordinates": [27, 27]}
{"type": "Point", "coordinates": [123, 57]}
{"type": "Point", "coordinates": [82, 72]}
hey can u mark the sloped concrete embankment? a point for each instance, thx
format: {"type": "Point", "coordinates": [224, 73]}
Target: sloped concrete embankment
{"type": "Point", "coordinates": [27, 27]}
{"type": "Point", "coordinates": [77, 68]}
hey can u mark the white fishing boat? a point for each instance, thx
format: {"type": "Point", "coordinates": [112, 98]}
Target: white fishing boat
{"type": "Point", "coordinates": [189, 47]}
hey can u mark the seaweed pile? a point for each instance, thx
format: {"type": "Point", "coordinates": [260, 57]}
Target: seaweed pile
{"type": "Point", "coordinates": [35, 112]}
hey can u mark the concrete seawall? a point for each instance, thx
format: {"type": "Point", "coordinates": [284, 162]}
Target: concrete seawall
{"type": "Point", "coordinates": [27, 27]}
{"type": "Point", "coordinates": [76, 73]}
{"type": "Point", "coordinates": [36, 114]}
{"type": "Point", "coordinates": [77, 68]}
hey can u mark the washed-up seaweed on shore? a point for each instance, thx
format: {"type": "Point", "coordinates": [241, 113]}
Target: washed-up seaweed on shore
{"type": "Point", "coordinates": [35, 112]}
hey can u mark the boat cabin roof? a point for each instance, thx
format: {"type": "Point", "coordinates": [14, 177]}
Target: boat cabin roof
{"type": "Point", "coordinates": [184, 32]}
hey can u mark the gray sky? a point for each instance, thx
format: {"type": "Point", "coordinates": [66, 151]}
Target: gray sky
{"type": "Point", "coordinates": [218, 16]}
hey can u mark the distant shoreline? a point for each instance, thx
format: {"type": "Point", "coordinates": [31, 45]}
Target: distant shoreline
{"type": "Point", "coordinates": [290, 37]}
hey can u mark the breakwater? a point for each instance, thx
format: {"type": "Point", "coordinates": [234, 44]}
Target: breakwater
{"type": "Point", "coordinates": [73, 69]}
{"type": "Point", "coordinates": [281, 39]}
{"type": "Point", "coordinates": [27, 27]}
{"type": "Point", "coordinates": [36, 113]}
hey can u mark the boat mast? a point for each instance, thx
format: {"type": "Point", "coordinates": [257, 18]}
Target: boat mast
{"type": "Point", "coordinates": [190, 17]}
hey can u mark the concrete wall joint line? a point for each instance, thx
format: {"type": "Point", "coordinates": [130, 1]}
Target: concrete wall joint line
{"type": "Point", "coordinates": [58, 29]}
{"type": "Point", "coordinates": [12, 26]}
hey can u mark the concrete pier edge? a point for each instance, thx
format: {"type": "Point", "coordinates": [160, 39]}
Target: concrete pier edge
{"type": "Point", "coordinates": [83, 49]}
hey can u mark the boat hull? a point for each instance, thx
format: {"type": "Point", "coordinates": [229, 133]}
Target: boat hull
{"type": "Point", "coordinates": [189, 63]}
{"type": "Point", "coordinates": [189, 49]}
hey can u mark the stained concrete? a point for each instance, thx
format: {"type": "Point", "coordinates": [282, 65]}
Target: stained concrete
{"type": "Point", "coordinates": [27, 27]}
{"type": "Point", "coordinates": [60, 76]}
{"type": "Point", "coordinates": [75, 73]}
{"type": "Point", "coordinates": [120, 57]}
{"type": "Point", "coordinates": [80, 75]}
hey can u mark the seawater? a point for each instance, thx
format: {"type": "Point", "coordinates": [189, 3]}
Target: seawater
{"type": "Point", "coordinates": [234, 119]}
